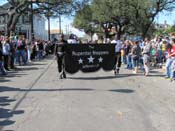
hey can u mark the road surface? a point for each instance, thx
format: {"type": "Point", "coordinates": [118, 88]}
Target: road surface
{"type": "Point", "coordinates": [35, 99]}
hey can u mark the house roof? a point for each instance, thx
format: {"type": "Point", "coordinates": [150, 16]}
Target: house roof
{"type": "Point", "coordinates": [6, 5]}
{"type": "Point", "coordinates": [55, 31]}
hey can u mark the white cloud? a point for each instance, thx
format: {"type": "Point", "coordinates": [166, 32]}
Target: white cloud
{"type": "Point", "coordinates": [66, 26]}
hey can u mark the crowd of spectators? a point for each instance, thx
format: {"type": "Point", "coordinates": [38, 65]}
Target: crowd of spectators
{"type": "Point", "coordinates": [17, 51]}
{"type": "Point", "coordinates": [137, 54]}
{"type": "Point", "coordinates": [157, 52]}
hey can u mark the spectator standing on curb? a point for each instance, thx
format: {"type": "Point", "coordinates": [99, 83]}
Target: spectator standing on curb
{"type": "Point", "coordinates": [12, 53]}
{"type": "Point", "coordinates": [168, 61]}
{"type": "Point", "coordinates": [135, 55]}
{"type": "Point", "coordinates": [2, 70]}
{"type": "Point", "coordinates": [146, 56]}
{"type": "Point", "coordinates": [6, 53]}
{"type": "Point", "coordinates": [40, 50]}
{"type": "Point", "coordinates": [128, 56]}
{"type": "Point", "coordinates": [28, 46]}
{"type": "Point", "coordinates": [172, 56]}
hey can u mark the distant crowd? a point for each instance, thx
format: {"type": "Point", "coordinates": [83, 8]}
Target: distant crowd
{"type": "Point", "coordinates": [19, 51]}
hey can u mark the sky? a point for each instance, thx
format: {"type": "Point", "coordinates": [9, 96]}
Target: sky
{"type": "Point", "coordinates": [66, 23]}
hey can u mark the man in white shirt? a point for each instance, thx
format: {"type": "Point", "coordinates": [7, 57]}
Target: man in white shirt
{"type": "Point", "coordinates": [72, 39]}
{"type": "Point", "coordinates": [118, 47]}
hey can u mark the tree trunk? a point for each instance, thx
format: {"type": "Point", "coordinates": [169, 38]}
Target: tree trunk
{"type": "Point", "coordinates": [119, 32]}
{"type": "Point", "coordinates": [12, 21]}
{"type": "Point", "coordinates": [145, 30]}
{"type": "Point", "coordinates": [9, 22]}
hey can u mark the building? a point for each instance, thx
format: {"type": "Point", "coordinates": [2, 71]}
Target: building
{"type": "Point", "coordinates": [55, 34]}
{"type": "Point", "coordinates": [162, 26]}
{"type": "Point", "coordinates": [23, 26]}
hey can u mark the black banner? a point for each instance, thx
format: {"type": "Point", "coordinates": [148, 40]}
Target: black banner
{"type": "Point", "coordinates": [89, 57]}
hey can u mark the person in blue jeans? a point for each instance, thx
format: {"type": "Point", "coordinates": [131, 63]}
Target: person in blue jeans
{"type": "Point", "coordinates": [40, 50]}
{"type": "Point", "coordinates": [168, 61]}
{"type": "Point", "coordinates": [172, 73]}
{"type": "Point", "coordinates": [135, 51]}
{"type": "Point", "coordinates": [2, 70]}
{"type": "Point", "coordinates": [21, 51]}
{"type": "Point", "coordinates": [172, 56]}
{"type": "Point", "coordinates": [128, 55]}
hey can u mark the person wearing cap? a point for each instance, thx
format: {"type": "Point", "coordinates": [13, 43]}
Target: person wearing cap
{"type": "Point", "coordinates": [59, 52]}
{"type": "Point", "coordinates": [72, 39]}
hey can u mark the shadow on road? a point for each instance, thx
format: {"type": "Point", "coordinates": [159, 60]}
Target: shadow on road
{"type": "Point", "coordinates": [35, 64]}
{"type": "Point", "coordinates": [28, 69]}
{"type": "Point", "coordinates": [92, 78]}
{"type": "Point", "coordinates": [3, 80]}
{"type": "Point", "coordinates": [10, 89]}
{"type": "Point", "coordinates": [5, 113]}
{"type": "Point", "coordinates": [104, 77]}
{"type": "Point", "coordinates": [16, 73]}
{"type": "Point", "coordinates": [122, 91]}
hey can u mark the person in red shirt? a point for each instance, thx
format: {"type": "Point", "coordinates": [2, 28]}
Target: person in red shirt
{"type": "Point", "coordinates": [172, 56]}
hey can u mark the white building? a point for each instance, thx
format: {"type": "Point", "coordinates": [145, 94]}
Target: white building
{"type": "Point", "coordinates": [23, 26]}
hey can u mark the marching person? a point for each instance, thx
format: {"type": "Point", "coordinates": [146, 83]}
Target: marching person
{"type": "Point", "coordinates": [59, 52]}
{"type": "Point", "coordinates": [118, 47]}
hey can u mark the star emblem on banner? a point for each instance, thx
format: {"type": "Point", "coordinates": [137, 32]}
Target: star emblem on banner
{"type": "Point", "coordinates": [91, 59]}
{"type": "Point", "coordinates": [80, 61]}
{"type": "Point", "coordinates": [100, 60]}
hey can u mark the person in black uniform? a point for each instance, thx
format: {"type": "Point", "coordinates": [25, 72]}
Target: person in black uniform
{"type": "Point", "coordinates": [59, 52]}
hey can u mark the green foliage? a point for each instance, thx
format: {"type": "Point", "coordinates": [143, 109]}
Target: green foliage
{"type": "Point", "coordinates": [128, 16]}
{"type": "Point", "coordinates": [165, 31]}
{"type": "Point", "coordinates": [83, 19]}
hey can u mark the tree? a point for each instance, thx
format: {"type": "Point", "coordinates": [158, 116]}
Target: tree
{"type": "Point", "coordinates": [128, 16]}
{"type": "Point", "coordinates": [146, 12]}
{"type": "Point", "coordinates": [83, 19]}
{"type": "Point", "coordinates": [19, 7]}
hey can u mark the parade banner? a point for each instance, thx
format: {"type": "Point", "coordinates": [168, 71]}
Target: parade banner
{"type": "Point", "coordinates": [89, 57]}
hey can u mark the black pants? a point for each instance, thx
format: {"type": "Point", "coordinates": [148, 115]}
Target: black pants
{"type": "Point", "coordinates": [12, 61]}
{"type": "Point", "coordinates": [118, 61]}
{"type": "Point", "coordinates": [60, 63]}
{"type": "Point", "coordinates": [6, 61]}
{"type": "Point", "coordinates": [61, 66]}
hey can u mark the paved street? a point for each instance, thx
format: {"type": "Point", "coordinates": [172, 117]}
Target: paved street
{"type": "Point", "coordinates": [34, 99]}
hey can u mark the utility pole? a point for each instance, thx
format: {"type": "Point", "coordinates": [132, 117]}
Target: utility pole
{"type": "Point", "coordinates": [60, 24]}
{"type": "Point", "coordinates": [48, 18]}
{"type": "Point", "coordinates": [31, 22]}
{"type": "Point", "coordinates": [48, 15]}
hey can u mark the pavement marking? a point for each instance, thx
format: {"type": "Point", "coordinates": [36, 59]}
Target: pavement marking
{"type": "Point", "coordinates": [30, 86]}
